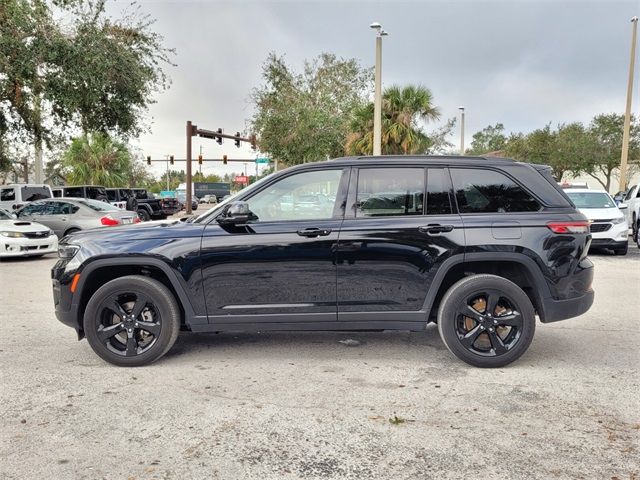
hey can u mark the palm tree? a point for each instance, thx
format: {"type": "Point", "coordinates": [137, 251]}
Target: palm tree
{"type": "Point", "coordinates": [97, 159]}
{"type": "Point", "coordinates": [402, 110]}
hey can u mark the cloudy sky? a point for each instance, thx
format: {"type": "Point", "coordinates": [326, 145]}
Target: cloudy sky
{"type": "Point", "coordinates": [521, 63]}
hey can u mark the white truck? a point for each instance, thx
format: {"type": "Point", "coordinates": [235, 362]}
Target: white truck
{"type": "Point", "coordinates": [632, 212]}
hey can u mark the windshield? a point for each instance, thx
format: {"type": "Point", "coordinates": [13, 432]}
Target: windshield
{"type": "Point", "coordinates": [99, 206]}
{"type": "Point", "coordinates": [4, 215]}
{"type": "Point", "coordinates": [591, 199]}
{"type": "Point", "coordinates": [206, 216]}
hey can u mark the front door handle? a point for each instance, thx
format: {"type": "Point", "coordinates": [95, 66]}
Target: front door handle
{"type": "Point", "coordinates": [435, 228]}
{"type": "Point", "coordinates": [314, 232]}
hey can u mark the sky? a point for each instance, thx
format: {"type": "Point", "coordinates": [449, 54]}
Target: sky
{"type": "Point", "coordinates": [521, 63]}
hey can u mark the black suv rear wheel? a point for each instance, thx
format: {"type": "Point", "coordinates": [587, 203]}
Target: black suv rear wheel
{"type": "Point", "coordinates": [486, 321]}
{"type": "Point", "coordinates": [132, 321]}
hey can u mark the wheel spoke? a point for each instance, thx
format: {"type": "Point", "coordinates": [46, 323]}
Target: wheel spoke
{"type": "Point", "coordinates": [138, 307]}
{"type": "Point", "coordinates": [469, 311]}
{"type": "Point", "coordinates": [116, 308]}
{"type": "Point", "coordinates": [152, 327]}
{"type": "Point", "coordinates": [469, 339]}
{"type": "Point", "coordinates": [492, 303]}
{"type": "Point", "coordinates": [132, 346]}
{"type": "Point", "coordinates": [513, 319]}
{"type": "Point", "coordinates": [496, 343]}
{"type": "Point", "coordinates": [105, 333]}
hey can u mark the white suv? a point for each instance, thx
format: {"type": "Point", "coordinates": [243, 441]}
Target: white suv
{"type": "Point", "coordinates": [609, 228]}
{"type": "Point", "coordinates": [632, 201]}
{"type": "Point", "coordinates": [16, 195]}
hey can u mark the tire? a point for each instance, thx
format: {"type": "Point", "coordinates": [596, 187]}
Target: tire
{"type": "Point", "coordinates": [144, 215]}
{"type": "Point", "coordinates": [622, 251]}
{"type": "Point", "coordinates": [70, 231]}
{"type": "Point", "coordinates": [135, 341]}
{"type": "Point", "coordinates": [132, 204]}
{"type": "Point", "coordinates": [481, 338]}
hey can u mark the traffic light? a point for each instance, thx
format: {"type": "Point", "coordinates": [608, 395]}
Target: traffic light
{"type": "Point", "coordinates": [200, 159]}
{"type": "Point", "coordinates": [148, 160]}
{"type": "Point", "coordinates": [237, 141]}
{"type": "Point", "coordinates": [224, 159]}
{"type": "Point", "coordinates": [171, 159]}
{"type": "Point", "coordinates": [219, 139]}
{"type": "Point", "coordinates": [253, 141]}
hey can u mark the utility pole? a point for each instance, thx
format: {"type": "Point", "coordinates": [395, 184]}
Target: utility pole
{"type": "Point", "coordinates": [190, 130]}
{"type": "Point", "coordinates": [627, 115]}
{"type": "Point", "coordinates": [461, 108]}
{"type": "Point", "coordinates": [201, 164]}
{"type": "Point", "coordinates": [377, 99]}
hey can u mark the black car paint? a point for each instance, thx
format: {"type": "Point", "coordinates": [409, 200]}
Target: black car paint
{"type": "Point", "coordinates": [369, 273]}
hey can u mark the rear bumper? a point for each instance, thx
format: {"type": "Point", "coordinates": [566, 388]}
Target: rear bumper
{"type": "Point", "coordinates": [556, 310]}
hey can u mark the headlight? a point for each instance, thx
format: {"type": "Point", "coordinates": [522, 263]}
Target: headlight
{"type": "Point", "coordinates": [618, 220]}
{"type": "Point", "coordinates": [67, 251]}
{"type": "Point", "coordinates": [12, 234]}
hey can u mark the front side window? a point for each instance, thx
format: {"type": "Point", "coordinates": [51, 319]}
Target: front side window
{"type": "Point", "coordinates": [96, 192]}
{"type": "Point", "coordinates": [32, 209]}
{"type": "Point", "coordinates": [7, 194]}
{"type": "Point", "coordinates": [304, 196]}
{"type": "Point", "coordinates": [61, 208]}
{"type": "Point", "coordinates": [488, 191]}
{"type": "Point", "coordinates": [390, 192]}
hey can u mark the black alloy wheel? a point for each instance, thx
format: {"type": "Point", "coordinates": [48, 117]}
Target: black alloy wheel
{"type": "Point", "coordinates": [143, 215]}
{"type": "Point", "coordinates": [132, 321]}
{"type": "Point", "coordinates": [486, 320]}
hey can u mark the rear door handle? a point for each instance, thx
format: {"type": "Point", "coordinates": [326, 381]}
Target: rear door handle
{"type": "Point", "coordinates": [434, 228]}
{"type": "Point", "coordinates": [314, 232]}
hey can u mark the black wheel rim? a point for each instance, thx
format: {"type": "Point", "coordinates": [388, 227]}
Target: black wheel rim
{"type": "Point", "coordinates": [489, 323]}
{"type": "Point", "coordinates": [128, 324]}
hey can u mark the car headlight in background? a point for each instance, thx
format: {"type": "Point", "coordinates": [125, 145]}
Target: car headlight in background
{"type": "Point", "coordinates": [67, 251]}
{"type": "Point", "coordinates": [12, 234]}
{"type": "Point", "coordinates": [618, 220]}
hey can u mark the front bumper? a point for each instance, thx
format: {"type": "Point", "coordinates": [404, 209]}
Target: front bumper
{"type": "Point", "coordinates": [24, 247]}
{"type": "Point", "coordinates": [609, 243]}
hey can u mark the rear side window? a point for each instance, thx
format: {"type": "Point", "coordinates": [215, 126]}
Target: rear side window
{"type": "Point", "coordinates": [111, 195]}
{"type": "Point", "coordinates": [390, 191]}
{"type": "Point", "coordinates": [7, 194]}
{"type": "Point", "coordinates": [438, 192]}
{"type": "Point", "coordinates": [96, 192]}
{"type": "Point", "coordinates": [61, 208]}
{"type": "Point", "coordinates": [74, 192]}
{"type": "Point", "coordinates": [487, 191]}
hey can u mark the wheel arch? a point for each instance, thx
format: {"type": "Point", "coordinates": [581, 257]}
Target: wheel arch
{"type": "Point", "coordinates": [519, 268]}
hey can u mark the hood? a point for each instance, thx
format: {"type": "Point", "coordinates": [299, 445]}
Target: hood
{"type": "Point", "coordinates": [22, 226]}
{"type": "Point", "coordinates": [601, 213]}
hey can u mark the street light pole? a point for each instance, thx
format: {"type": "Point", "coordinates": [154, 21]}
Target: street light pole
{"type": "Point", "coordinates": [461, 108]}
{"type": "Point", "coordinates": [377, 100]}
{"type": "Point", "coordinates": [627, 115]}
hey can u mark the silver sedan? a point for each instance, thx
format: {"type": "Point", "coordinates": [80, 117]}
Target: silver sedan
{"type": "Point", "coordinates": [68, 215]}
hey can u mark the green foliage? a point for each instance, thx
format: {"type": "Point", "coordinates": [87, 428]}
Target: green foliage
{"type": "Point", "coordinates": [402, 111]}
{"type": "Point", "coordinates": [489, 139]}
{"type": "Point", "coordinates": [303, 117]}
{"type": "Point", "coordinates": [96, 159]}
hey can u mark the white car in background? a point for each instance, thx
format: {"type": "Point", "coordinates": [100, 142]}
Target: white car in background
{"type": "Point", "coordinates": [19, 238]}
{"type": "Point", "coordinates": [632, 201]}
{"type": "Point", "coordinates": [609, 228]}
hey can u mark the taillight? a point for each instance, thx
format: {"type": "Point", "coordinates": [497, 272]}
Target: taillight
{"type": "Point", "coordinates": [569, 227]}
{"type": "Point", "coordinates": [109, 221]}
{"type": "Point", "coordinates": [136, 219]}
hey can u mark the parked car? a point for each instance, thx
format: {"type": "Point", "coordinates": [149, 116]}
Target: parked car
{"type": "Point", "coordinates": [24, 239]}
{"type": "Point", "coordinates": [209, 199]}
{"type": "Point", "coordinates": [69, 215]}
{"type": "Point", "coordinates": [149, 208]}
{"type": "Point", "coordinates": [494, 244]}
{"type": "Point", "coordinates": [17, 195]}
{"type": "Point", "coordinates": [632, 200]}
{"type": "Point", "coordinates": [608, 225]}
{"type": "Point", "coordinates": [94, 192]}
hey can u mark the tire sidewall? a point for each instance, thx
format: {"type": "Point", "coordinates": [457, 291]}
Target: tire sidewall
{"type": "Point", "coordinates": [163, 302]}
{"type": "Point", "coordinates": [477, 284]}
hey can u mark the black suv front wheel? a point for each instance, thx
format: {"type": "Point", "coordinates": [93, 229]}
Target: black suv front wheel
{"type": "Point", "coordinates": [486, 321]}
{"type": "Point", "coordinates": [132, 321]}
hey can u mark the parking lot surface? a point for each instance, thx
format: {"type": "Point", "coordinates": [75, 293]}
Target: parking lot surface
{"type": "Point", "coordinates": [321, 405]}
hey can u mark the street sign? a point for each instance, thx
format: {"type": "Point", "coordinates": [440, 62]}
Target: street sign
{"type": "Point", "coordinates": [241, 179]}
{"type": "Point", "coordinates": [262, 160]}
{"type": "Point", "coordinates": [168, 194]}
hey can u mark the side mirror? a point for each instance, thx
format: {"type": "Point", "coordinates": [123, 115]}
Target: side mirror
{"type": "Point", "coordinates": [623, 206]}
{"type": "Point", "coordinates": [237, 213]}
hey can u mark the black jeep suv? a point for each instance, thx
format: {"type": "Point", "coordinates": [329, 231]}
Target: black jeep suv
{"type": "Point", "coordinates": [478, 245]}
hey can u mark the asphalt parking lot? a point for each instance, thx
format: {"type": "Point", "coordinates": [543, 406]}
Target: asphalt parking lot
{"type": "Point", "coordinates": [308, 405]}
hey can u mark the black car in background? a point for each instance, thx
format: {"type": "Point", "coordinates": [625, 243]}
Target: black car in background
{"type": "Point", "coordinates": [481, 246]}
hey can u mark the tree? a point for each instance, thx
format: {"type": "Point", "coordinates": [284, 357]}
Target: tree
{"type": "Point", "coordinates": [96, 159]}
{"type": "Point", "coordinates": [489, 139]}
{"type": "Point", "coordinates": [73, 67]}
{"type": "Point", "coordinates": [303, 117]}
{"type": "Point", "coordinates": [402, 111]}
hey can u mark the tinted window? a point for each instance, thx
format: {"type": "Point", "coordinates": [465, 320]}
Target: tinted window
{"type": "Point", "coordinates": [32, 209]}
{"type": "Point", "coordinates": [74, 192]}
{"type": "Point", "coordinates": [485, 191]}
{"type": "Point", "coordinates": [390, 191]}
{"type": "Point", "coordinates": [57, 192]}
{"type": "Point", "coordinates": [96, 192]}
{"type": "Point", "coordinates": [304, 196]}
{"type": "Point", "coordinates": [30, 194]}
{"type": "Point", "coordinates": [141, 194]}
{"type": "Point", "coordinates": [438, 192]}
{"type": "Point", "coordinates": [7, 194]}
{"type": "Point", "coordinates": [111, 195]}
{"type": "Point", "coordinates": [61, 208]}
